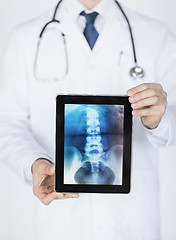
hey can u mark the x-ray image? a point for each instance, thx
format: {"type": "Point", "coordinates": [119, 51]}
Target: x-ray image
{"type": "Point", "coordinates": [93, 144]}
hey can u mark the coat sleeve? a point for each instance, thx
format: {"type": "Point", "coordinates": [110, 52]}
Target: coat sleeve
{"type": "Point", "coordinates": [18, 147]}
{"type": "Point", "coordinates": [165, 134]}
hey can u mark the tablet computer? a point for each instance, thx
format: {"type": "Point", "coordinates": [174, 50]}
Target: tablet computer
{"type": "Point", "coordinates": [93, 144]}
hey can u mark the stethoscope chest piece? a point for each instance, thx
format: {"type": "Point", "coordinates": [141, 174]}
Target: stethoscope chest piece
{"type": "Point", "coordinates": [137, 72]}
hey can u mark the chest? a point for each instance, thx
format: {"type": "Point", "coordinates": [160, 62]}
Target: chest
{"type": "Point", "coordinates": [105, 70]}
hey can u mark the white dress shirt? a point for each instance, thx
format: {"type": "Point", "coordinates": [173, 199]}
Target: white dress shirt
{"type": "Point", "coordinates": [99, 21]}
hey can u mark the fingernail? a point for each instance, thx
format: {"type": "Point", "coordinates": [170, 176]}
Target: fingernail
{"type": "Point", "coordinates": [134, 105]}
{"type": "Point", "coordinates": [132, 99]}
{"type": "Point", "coordinates": [129, 93]}
{"type": "Point", "coordinates": [135, 113]}
{"type": "Point", "coordinates": [74, 196]}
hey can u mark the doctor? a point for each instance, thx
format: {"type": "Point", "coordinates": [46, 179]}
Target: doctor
{"type": "Point", "coordinates": [96, 59]}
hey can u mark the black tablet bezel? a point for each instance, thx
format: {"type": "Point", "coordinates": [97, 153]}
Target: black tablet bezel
{"type": "Point", "coordinates": [59, 174]}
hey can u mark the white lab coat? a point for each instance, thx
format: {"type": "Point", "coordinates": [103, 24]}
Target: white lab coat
{"type": "Point", "coordinates": [27, 121]}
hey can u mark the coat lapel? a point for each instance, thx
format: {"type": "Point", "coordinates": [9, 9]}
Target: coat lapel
{"type": "Point", "coordinates": [115, 28]}
{"type": "Point", "coordinates": [72, 32]}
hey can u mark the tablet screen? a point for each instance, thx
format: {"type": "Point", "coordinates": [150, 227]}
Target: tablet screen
{"type": "Point", "coordinates": [93, 145]}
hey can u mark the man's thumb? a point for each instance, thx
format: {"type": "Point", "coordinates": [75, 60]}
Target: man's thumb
{"type": "Point", "coordinates": [51, 170]}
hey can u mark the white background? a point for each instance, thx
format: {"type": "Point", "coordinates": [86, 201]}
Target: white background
{"type": "Point", "coordinates": [16, 199]}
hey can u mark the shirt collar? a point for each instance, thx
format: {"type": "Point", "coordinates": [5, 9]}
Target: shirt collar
{"type": "Point", "coordinates": [75, 7]}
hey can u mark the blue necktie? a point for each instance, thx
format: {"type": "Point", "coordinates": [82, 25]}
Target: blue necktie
{"type": "Point", "coordinates": [90, 32]}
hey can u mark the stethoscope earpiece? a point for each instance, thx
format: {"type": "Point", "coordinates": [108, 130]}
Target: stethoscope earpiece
{"type": "Point", "coordinates": [137, 72]}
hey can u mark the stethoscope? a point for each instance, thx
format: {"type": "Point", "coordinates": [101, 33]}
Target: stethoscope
{"type": "Point", "coordinates": [136, 72]}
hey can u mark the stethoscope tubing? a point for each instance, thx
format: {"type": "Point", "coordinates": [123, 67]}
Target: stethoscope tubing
{"type": "Point", "coordinates": [130, 30]}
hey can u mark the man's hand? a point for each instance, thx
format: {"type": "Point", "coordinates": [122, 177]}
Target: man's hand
{"type": "Point", "coordinates": [149, 102]}
{"type": "Point", "coordinates": [43, 182]}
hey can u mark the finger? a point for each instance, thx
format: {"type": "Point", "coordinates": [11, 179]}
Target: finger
{"type": "Point", "coordinates": [47, 184]}
{"type": "Point", "coordinates": [143, 87]}
{"type": "Point", "coordinates": [51, 170]}
{"type": "Point", "coordinates": [44, 166]}
{"type": "Point", "coordinates": [49, 180]}
{"type": "Point", "coordinates": [42, 181]}
{"type": "Point", "coordinates": [150, 111]}
{"type": "Point", "coordinates": [145, 102]}
{"type": "Point", "coordinates": [71, 195]}
{"type": "Point", "coordinates": [151, 92]}
{"type": "Point", "coordinates": [46, 199]}
{"type": "Point", "coordinates": [47, 169]}
{"type": "Point", "coordinates": [47, 188]}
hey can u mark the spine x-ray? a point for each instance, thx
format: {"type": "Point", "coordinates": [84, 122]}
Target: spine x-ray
{"type": "Point", "coordinates": [93, 148]}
